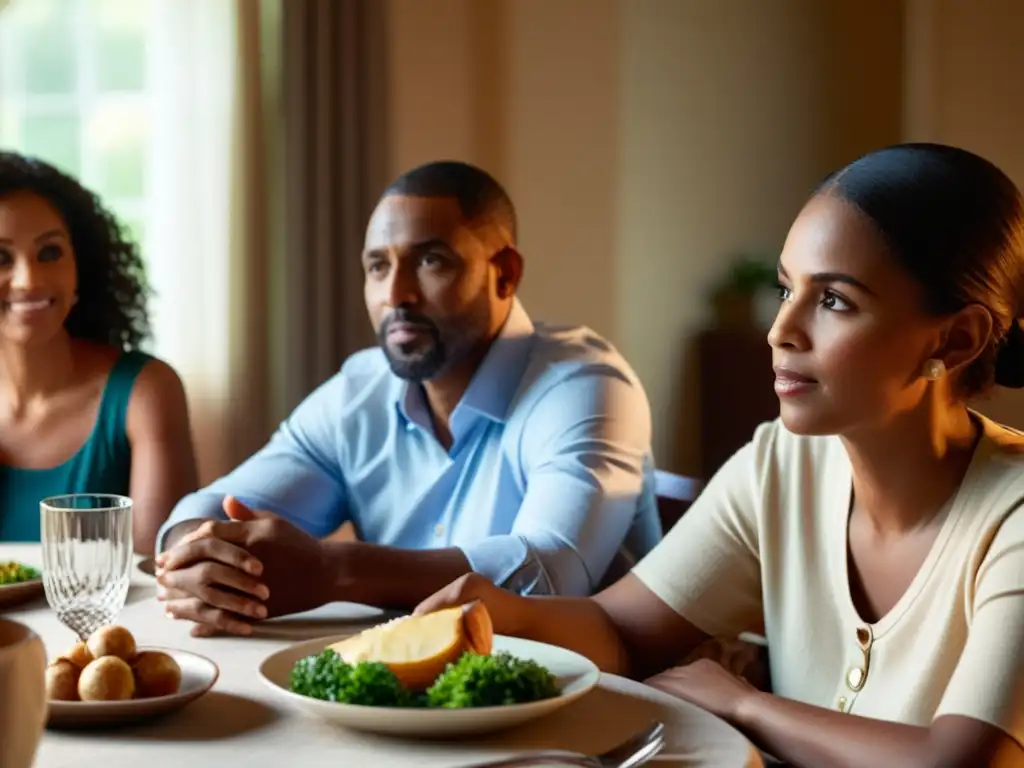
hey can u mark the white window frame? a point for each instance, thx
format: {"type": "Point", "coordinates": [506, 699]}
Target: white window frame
{"type": "Point", "coordinates": [83, 101]}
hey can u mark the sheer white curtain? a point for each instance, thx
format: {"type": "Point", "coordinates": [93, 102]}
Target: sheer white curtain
{"type": "Point", "coordinates": [203, 244]}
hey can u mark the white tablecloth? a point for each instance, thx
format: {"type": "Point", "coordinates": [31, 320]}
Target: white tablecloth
{"type": "Point", "coordinates": [240, 723]}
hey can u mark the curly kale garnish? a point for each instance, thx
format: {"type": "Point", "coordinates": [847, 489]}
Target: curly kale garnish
{"type": "Point", "coordinates": [491, 681]}
{"type": "Point", "coordinates": [472, 681]}
{"type": "Point", "coordinates": [325, 676]}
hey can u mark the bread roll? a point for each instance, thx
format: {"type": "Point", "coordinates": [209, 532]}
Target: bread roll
{"type": "Point", "coordinates": [417, 648]}
{"type": "Point", "coordinates": [156, 674]}
{"type": "Point", "coordinates": [112, 641]}
{"type": "Point", "coordinates": [62, 681]}
{"type": "Point", "coordinates": [108, 678]}
{"type": "Point", "coordinates": [79, 655]}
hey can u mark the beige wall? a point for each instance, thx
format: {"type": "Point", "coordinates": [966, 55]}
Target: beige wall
{"type": "Point", "coordinates": [529, 90]}
{"type": "Point", "coordinates": [964, 87]}
{"type": "Point", "coordinates": [644, 142]}
{"type": "Point", "coordinates": [731, 112]}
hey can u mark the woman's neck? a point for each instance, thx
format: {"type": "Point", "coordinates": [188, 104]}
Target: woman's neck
{"type": "Point", "coordinates": [28, 373]}
{"type": "Point", "coordinates": [906, 470]}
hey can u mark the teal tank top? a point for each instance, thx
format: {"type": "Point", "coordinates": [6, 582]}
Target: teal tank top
{"type": "Point", "coordinates": [102, 465]}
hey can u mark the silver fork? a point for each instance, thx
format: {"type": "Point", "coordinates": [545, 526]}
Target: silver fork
{"type": "Point", "coordinates": [634, 751]}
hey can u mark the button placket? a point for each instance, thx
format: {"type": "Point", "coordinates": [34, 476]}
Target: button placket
{"type": "Point", "coordinates": [856, 676]}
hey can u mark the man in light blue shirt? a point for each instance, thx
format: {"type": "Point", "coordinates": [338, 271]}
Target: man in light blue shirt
{"type": "Point", "coordinates": [471, 439]}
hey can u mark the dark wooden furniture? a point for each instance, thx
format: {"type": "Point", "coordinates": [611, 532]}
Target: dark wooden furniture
{"type": "Point", "coordinates": [736, 392]}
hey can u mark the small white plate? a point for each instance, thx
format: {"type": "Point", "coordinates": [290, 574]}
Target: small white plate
{"type": "Point", "coordinates": [576, 676]}
{"type": "Point", "coordinates": [331, 618]}
{"type": "Point", "coordinates": [198, 675]}
{"type": "Point", "coordinates": [22, 592]}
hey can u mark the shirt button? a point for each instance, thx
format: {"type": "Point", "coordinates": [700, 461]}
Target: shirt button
{"type": "Point", "coordinates": [842, 704]}
{"type": "Point", "coordinates": [439, 530]}
{"type": "Point", "coordinates": [855, 678]}
{"type": "Point", "coordinates": [409, 426]}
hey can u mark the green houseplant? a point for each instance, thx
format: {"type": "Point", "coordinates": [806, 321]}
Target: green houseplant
{"type": "Point", "coordinates": [736, 298]}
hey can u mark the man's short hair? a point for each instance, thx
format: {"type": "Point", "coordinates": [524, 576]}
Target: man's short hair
{"type": "Point", "coordinates": [480, 196]}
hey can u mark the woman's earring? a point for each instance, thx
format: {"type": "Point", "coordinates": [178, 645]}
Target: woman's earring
{"type": "Point", "coordinates": [933, 369]}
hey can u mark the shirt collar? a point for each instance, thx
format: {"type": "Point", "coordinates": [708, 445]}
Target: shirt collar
{"type": "Point", "coordinates": [494, 385]}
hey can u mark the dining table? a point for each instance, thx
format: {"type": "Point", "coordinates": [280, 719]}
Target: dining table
{"type": "Point", "coordinates": [242, 722]}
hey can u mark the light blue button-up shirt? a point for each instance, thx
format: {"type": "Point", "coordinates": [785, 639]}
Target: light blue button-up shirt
{"type": "Point", "coordinates": [549, 478]}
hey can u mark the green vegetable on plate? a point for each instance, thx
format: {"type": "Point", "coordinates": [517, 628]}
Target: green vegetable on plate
{"type": "Point", "coordinates": [325, 676]}
{"type": "Point", "coordinates": [491, 681]}
{"type": "Point", "coordinates": [474, 680]}
{"type": "Point", "coordinates": [16, 573]}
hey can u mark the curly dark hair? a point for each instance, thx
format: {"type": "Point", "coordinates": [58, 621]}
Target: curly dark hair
{"type": "Point", "coordinates": [112, 287]}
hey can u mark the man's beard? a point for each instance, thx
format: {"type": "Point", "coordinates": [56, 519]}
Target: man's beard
{"type": "Point", "coordinates": [441, 347]}
{"type": "Point", "coordinates": [421, 363]}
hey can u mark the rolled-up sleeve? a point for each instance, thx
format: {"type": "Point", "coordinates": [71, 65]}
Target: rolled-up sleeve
{"type": "Point", "coordinates": [296, 475]}
{"type": "Point", "coordinates": [584, 450]}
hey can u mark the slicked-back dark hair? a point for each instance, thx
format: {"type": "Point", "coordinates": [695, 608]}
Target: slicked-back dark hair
{"type": "Point", "coordinates": [955, 223]}
{"type": "Point", "coordinates": [479, 195]}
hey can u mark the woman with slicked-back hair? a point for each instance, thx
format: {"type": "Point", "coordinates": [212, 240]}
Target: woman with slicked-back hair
{"type": "Point", "coordinates": [877, 526]}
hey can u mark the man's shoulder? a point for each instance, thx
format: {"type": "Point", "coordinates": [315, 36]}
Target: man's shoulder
{"type": "Point", "coordinates": [363, 373]}
{"type": "Point", "coordinates": [562, 351]}
{"type": "Point", "coordinates": [576, 362]}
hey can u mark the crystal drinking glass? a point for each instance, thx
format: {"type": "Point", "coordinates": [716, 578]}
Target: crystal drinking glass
{"type": "Point", "coordinates": [87, 558]}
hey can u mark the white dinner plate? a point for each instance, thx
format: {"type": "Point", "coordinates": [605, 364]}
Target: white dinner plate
{"type": "Point", "coordinates": [198, 675]}
{"type": "Point", "coordinates": [576, 675]}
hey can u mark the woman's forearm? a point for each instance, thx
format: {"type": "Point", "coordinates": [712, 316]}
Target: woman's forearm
{"type": "Point", "coordinates": [579, 624]}
{"type": "Point", "coordinates": [803, 735]}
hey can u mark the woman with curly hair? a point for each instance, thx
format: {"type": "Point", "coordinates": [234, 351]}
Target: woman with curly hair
{"type": "Point", "coordinates": [82, 408]}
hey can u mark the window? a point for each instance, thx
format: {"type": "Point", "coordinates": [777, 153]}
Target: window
{"type": "Point", "coordinates": [139, 100]}
{"type": "Point", "coordinates": [73, 92]}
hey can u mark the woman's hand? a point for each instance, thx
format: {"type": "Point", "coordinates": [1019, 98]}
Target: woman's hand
{"type": "Point", "coordinates": [708, 685]}
{"type": "Point", "coordinates": [508, 610]}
